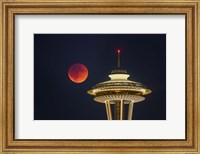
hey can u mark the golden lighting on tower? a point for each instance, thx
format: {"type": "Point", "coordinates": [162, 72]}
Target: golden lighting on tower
{"type": "Point", "coordinates": [120, 92]}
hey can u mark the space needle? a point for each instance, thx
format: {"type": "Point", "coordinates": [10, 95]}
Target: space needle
{"type": "Point", "coordinates": [119, 94]}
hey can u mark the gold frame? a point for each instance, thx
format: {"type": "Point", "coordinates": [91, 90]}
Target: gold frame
{"type": "Point", "coordinates": [9, 8]}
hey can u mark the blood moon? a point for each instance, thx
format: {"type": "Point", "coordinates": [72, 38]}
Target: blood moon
{"type": "Point", "coordinates": [78, 73]}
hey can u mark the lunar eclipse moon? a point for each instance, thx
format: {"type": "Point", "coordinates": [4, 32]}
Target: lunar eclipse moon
{"type": "Point", "coordinates": [78, 73]}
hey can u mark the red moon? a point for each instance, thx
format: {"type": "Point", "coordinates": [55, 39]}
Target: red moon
{"type": "Point", "coordinates": [78, 73]}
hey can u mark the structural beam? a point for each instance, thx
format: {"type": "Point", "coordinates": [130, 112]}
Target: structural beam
{"type": "Point", "coordinates": [108, 110]}
{"type": "Point", "coordinates": [121, 110]}
{"type": "Point", "coordinates": [130, 110]}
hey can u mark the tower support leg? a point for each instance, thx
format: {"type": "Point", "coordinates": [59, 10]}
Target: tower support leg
{"type": "Point", "coordinates": [108, 110]}
{"type": "Point", "coordinates": [121, 110]}
{"type": "Point", "coordinates": [117, 110]}
{"type": "Point", "coordinates": [130, 110]}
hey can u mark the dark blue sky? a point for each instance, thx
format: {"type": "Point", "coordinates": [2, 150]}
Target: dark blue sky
{"type": "Point", "coordinates": [56, 97]}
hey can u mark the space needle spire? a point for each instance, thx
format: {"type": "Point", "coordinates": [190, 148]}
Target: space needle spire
{"type": "Point", "coordinates": [118, 52]}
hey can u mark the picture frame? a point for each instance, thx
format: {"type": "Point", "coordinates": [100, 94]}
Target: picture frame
{"type": "Point", "coordinates": [156, 7]}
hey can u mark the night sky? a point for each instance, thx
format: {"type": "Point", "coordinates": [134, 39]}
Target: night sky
{"type": "Point", "coordinates": [56, 97]}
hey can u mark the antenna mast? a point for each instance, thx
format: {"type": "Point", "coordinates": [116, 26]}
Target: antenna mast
{"type": "Point", "coordinates": [118, 64]}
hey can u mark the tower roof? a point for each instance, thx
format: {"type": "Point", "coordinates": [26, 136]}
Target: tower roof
{"type": "Point", "coordinates": [119, 71]}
